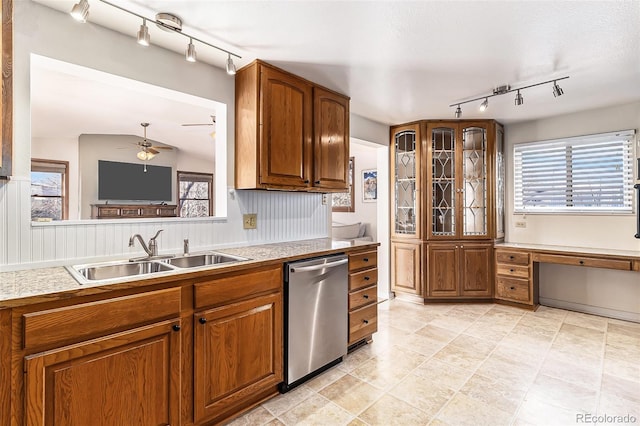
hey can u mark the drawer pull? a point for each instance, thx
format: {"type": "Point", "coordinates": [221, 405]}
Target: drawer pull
{"type": "Point", "coordinates": [511, 257]}
{"type": "Point", "coordinates": [366, 296]}
{"type": "Point", "coordinates": [511, 270]}
{"type": "Point", "coordinates": [582, 262]}
{"type": "Point", "coordinates": [512, 288]}
{"type": "Point", "coordinates": [366, 278]}
{"type": "Point", "coordinates": [365, 321]}
{"type": "Point", "coordinates": [202, 320]}
{"type": "Point", "coordinates": [176, 327]}
{"type": "Point", "coordinates": [365, 259]}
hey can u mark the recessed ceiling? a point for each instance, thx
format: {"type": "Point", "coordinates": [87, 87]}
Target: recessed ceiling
{"type": "Point", "coordinates": [400, 61]}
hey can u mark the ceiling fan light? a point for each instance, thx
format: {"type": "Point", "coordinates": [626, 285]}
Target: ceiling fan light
{"type": "Point", "coordinates": [80, 11]}
{"type": "Point", "coordinates": [191, 52]}
{"type": "Point", "coordinates": [458, 112]}
{"type": "Point", "coordinates": [231, 67]}
{"type": "Point", "coordinates": [484, 105]}
{"type": "Point", "coordinates": [145, 155]}
{"type": "Point", "coordinates": [143, 34]}
{"type": "Point", "coordinates": [519, 99]}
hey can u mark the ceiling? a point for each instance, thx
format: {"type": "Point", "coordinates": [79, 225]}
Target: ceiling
{"type": "Point", "coordinates": [400, 61]}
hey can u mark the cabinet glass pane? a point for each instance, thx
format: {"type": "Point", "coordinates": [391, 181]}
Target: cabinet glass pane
{"type": "Point", "coordinates": [500, 178]}
{"type": "Point", "coordinates": [405, 182]}
{"type": "Point", "coordinates": [474, 188]}
{"type": "Point", "coordinates": [443, 181]}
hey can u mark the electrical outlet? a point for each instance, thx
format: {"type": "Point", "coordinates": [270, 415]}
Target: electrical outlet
{"type": "Point", "coordinates": [325, 199]}
{"type": "Point", "coordinates": [250, 221]}
{"type": "Point", "coordinates": [521, 224]}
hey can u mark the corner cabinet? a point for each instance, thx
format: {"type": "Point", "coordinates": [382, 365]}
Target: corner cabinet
{"type": "Point", "coordinates": [456, 179]}
{"type": "Point", "coordinates": [291, 134]}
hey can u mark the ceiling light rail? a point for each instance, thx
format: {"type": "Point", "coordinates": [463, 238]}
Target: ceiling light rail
{"type": "Point", "coordinates": [80, 12]}
{"type": "Point", "coordinates": [502, 90]}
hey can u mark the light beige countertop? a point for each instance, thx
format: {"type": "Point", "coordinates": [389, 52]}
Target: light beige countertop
{"type": "Point", "coordinates": [46, 284]}
{"type": "Point", "coordinates": [571, 250]}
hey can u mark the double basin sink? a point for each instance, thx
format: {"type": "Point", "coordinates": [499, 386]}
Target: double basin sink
{"type": "Point", "coordinates": [121, 269]}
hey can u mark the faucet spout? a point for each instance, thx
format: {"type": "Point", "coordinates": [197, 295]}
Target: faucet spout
{"type": "Point", "coordinates": [142, 243]}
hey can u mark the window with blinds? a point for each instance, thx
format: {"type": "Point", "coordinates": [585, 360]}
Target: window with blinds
{"type": "Point", "coordinates": [580, 174]}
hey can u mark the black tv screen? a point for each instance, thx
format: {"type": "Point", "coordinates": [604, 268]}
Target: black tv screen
{"type": "Point", "coordinates": [130, 182]}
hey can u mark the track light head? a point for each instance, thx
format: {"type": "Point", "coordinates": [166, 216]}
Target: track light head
{"type": "Point", "coordinates": [231, 67]}
{"type": "Point", "coordinates": [557, 90]}
{"type": "Point", "coordinates": [80, 11]}
{"type": "Point", "coordinates": [458, 112]}
{"type": "Point", "coordinates": [519, 99]}
{"type": "Point", "coordinates": [484, 105]}
{"type": "Point", "coordinates": [143, 34]}
{"type": "Point", "coordinates": [191, 52]}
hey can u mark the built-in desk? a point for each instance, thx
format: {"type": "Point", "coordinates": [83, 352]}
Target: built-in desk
{"type": "Point", "coordinates": [516, 267]}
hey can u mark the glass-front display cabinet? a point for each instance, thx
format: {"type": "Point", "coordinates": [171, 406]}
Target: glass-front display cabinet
{"type": "Point", "coordinates": [406, 171]}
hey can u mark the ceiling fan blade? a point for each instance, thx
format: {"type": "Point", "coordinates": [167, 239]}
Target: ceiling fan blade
{"type": "Point", "coordinates": [152, 150]}
{"type": "Point", "coordinates": [161, 147]}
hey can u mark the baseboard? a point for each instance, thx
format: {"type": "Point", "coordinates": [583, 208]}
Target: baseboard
{"type": "Point", "coordinates": [588, 309]}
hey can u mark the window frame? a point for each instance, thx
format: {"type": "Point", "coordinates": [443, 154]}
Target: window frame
{"type": "Point", "coordinates": [40, 165]}
{"type": "Point", "coordinates": [195, 177]}
{"type": "Point", "coordinates": [570, 143]}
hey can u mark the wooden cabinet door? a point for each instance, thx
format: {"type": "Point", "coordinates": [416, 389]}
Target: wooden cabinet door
{"type": "Point", "coordinates": [406, 267]}
{"type": "Point", "coordinates": [442, 267]}
{"type": "Point", "coordinates": [331, 140]}
{"type": "Point", "coordinates": [286, 129]}
{"type": "Point", "coordinates": [476, 270]}
{"type": "Point", "coordinates": [237, 354]}
{"type": "Point", "coordinates": [128, 378]}
{"type": "Point", "coordinates": [406, 182]}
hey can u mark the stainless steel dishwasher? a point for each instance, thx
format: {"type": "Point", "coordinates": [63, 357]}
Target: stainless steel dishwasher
{"type": "Point", "coordinates": [316, 322]}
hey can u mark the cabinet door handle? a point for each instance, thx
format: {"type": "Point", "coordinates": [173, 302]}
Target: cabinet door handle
{"type": "Point", "coordinates": [461, 246]}
{"type": "Point", "coordinates": [512, 288]}
{"type": "Point", "coordinates": [365, 321]}
{"type": "Point", "coordinates": [317, 182]}
{"type": "Point", "coordinates": [175, 327]}
{"type": "Point", "coordinates": [366, 296]}
{"type": "Point", "coordinates": [306, 181]}
{"type": "Point", "coordinates": [202, 320]}
{"type": "Point", "coordinates": [367, 278]}
{"type": "Point", "coordinates": [511, 257]}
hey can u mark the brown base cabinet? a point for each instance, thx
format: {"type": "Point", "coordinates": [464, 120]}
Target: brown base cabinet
{"type": "Point", "coordinates": [515, 275]}
{"type": "Point", "coordinates": [363, 295]}
{"type": "Point", "coordinates": [459, 270]}
{"type": "Point", "coordinates": [406, 261]}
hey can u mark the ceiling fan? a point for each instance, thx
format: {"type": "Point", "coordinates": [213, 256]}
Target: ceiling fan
{"type": "Point", "coordinates": [147, 150]}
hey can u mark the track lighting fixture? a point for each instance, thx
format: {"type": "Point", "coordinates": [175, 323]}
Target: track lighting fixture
{"type": "Point", "coordinates": [166, 21]}
{"type": "Point", "coordinates": [80, 11]}
{"type": "Point", "coordinates": [519, 99]}
{"type": "Point", "coordinates": [231, 67]}
{"type": "Point", "coordinates": [557, 91]}
{"type": "Point", "coordinates": [191, 52]}
{"type": "Point", "coordinates": [143, 33]}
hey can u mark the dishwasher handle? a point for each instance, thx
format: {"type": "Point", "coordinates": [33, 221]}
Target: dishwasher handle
{"type": "Point", "coordinates": [320, 266]}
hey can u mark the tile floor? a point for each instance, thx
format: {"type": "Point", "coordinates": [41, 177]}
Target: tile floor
{"type": "Point", "coordinates": [473, 364]}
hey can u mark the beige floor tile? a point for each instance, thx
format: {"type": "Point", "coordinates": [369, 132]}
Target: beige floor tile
{"type": "Point", "coordinates": [535, 412]}
{"type": "Point", "coordinates": [257, 416]}
{"type": "Point", "coordinates": [587, 355]}
{"type": "Point", "coordinates": [613, 405]}
{"type": "Point", "coordinates": [535, 332]}
{"type": "Point", "coordinates": [316, 410]}
{"type": "Point", "coordinates": [572, 372]}
{"type": "Point", "coordinates": [274, 422]}
{"type": "Point", "coordinates": [389, 368]}
{"type": "Point", "coordinates": [488, 332]}
{"type": "Point", "coordinates": [534, 319]}
{"type": "Point", "coordinates": [463, 410]}
{"type": "Point", "coordinates": [442, 374]}
{"type": "Point", "coordinates": [624, 327]}
{"type": "Point", "coordinates": [623, 340]}
{"type": "Point", "coordinates": [439, 334]}
{"type": "Point", "coordinates": [358, 357]}
{"type": "Point", "coordinates": [357, 422]}
{"type": "Point", "coordinates": [325, 379]}
{"type": "Point", "coordinates": [586, 320]}
{"type": "Point", "coordinates": [422, 345]}
{"type": "Point", "coordinates": [453, 323]}
{"type": "Point", "coordinates": [406, 323]}
{"type": "Point", "coordinates": [552, 313]}
{"type": "Point", "coordinates": [582, 332]}
{"type": "Point", "coordinates": [464, 358]}
{"type": "Point", "coordinates": [391, 411]}
{"type": "Point", "coordinates": [508, 369]}
{"type": "Point", "coordinates": [622, 387]}
{"type": "Point", "coordinates": [629, 370]}
{"type": "Point", "coordinates": [285, 402]}
{"type": "Point", "coordinates": [428, 397]}
{"type": "Point", "coordinates": [503, 395]}
{"type": "Point", "coordinates": [527, 343]}
{"type": "Point", "coordinates": [351, 393]}
{"type": "Point", "coordinates": [479, 346]}
{"type": "Point", "coordinates": [560, 393]}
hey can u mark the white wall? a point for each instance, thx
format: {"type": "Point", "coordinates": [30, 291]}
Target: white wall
{"type": "Point", "coordinates": [600, 291]}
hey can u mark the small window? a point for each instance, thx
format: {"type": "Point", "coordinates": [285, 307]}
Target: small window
{"type": "Point", "coordinates": [195, 194]}
{"type": "Point", "coordinates": [49, 189]}
{"type": "Point", "coordinates": [581, 174]}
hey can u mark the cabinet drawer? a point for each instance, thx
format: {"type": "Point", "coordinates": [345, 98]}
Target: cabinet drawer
{"type": "Point", "coordinates": [363, 322]}
{"type": "Point", "coordinates": [624, 265]}
{"type": "Point", "coordinates": [367, 259]}
{"type": "Point", "coordinates": [88, 320]}
{"type": "Point", "coordinates": [363, 297]}
{"type": "Point", "coordinates": [513, 289]}
{"type": "Point", "coordinates": [108, 212]}
{"type": "Point", "coordinates": [515, 257]}
{"type": "Point", "coordinates": [512, 270]}
{"type": "Point", "coordinates": [129, 212]}
{"type": "Point", "coordinates": [236, 287]}
{"type": "Point", "coordinates": [363, 279]}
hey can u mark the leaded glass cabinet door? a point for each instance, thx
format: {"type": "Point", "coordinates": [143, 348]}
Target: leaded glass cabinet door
{"type": "Point", "coordinates": [443, 203]}
{"type": "Point", "coordinates": [473, 189]}
{"type": "Point", "coordinates": [500, 180]}
{"type": "Point", "coordinates": [406, 181]}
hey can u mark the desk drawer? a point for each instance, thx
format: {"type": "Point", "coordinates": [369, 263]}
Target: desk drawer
{"type": "Point", "coordinates": [512, 270]}
{"type": "Point", "coordinates": [512, 257]}
{"type": "Point", "coordinates": [363, 279]}
{"type": "Point", "coordinates": [363, 297]}
{"type": "Point", "coordinates": [367, 259]}
{"type": "Point", "coordinates": [623, 265]}
{"type": "Point", "coordinates": [513, 289]}
{"type": "Point", "coordinates": [363, 322]}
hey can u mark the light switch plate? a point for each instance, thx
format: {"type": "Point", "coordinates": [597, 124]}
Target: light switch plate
{"type": "Point", "coordinates": [249, 221]}
{"type": "Point", "coordinates": [521, 224]}
{"type": "Point", "coordinates": [325, 199]}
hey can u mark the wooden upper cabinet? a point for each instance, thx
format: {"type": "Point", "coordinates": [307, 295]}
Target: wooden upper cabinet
{"type": "Point", "coordinates": [290, 133]}
{"type": "Point", "coordinates": [6, 111]}
{"type": "Point", "coordinates": [406, 182]}
{"type": "Point", "coordinates": [331, 140]}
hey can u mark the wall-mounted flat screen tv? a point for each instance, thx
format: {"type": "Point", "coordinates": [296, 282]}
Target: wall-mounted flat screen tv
{"type": "Point", "coordinates": [130, 182]}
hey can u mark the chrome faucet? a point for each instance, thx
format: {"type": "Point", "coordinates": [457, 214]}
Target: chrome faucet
{"type": "Point", "coordinates": [186, 246]}
{"type": "Point", "coordinates": [152, 248]}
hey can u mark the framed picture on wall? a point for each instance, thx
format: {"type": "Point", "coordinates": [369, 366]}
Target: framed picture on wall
{"type": "Point", "coordinates": [369, 186]}
{"type": "Point", "coordinates": [344, 201]}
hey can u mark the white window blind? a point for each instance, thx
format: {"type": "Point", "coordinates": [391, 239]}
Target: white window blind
{"type": "Point", "coordinates": [580, 174]}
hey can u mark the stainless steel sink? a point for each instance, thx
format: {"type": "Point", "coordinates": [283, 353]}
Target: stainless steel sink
{"type": "Point", "coordinates": [105, 271]}
{"type": "Point", "coordinates": [204, 259]}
